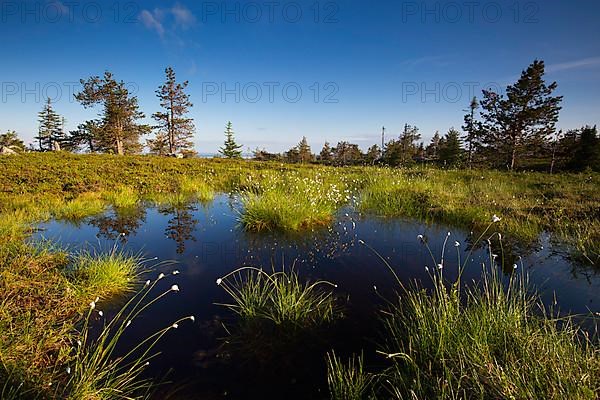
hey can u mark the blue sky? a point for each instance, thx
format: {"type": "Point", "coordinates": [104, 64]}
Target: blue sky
{"type": "Point", "coordinates": [359, 65]}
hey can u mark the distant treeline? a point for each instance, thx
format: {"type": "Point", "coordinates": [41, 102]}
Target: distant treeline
{"type": "Point", "coordinates": [515, 130]}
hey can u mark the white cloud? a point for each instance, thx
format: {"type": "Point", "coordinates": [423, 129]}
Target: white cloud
{"type": "Point", "coordinates": [152, 21]}
{"type": "Point", "coordinates": [179, 16]}
{"type": "Point", "coordinates": [183, 16]}
{"type": "Point", "coordinates": [577, 64]}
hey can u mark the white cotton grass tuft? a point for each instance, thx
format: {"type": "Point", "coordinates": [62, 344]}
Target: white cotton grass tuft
{"type": "Point", "coordinates": [128, 323]}
{"type": "Point", "coordinates": [175, 288]}
{"type": "Point", "coordinates": [160, 276]}
{"type": "Point", "coordinates": [456, 244]}
{"type": "Point", "coordinates": [219, 281]}
{"type": "Point", "coordinates": [101, 313]}
{"type": "Point", "coordinates": [515, 266]}
{"type": "Point", "coordinates": [192, 318]}
{"type": "Point", "coordinates": [147, 283]}
{"type": "Point", "coordinates": [176, 272]}
{"type": "Point", "coordinates": [420, 237]}
{"type": "Point", "coordinates": [175, 325]}
{"type": "Point", "coordinates": [92, 305]}
{"type": "Point", "coordinates": [440, 266]}
{"type": "Point", "coordinates": [496, 218]}
{"type": "Point", "coordinates": [68, 370]}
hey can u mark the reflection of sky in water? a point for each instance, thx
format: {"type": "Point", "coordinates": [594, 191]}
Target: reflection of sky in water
{"type": "Point", "coordinates": [207, 242]}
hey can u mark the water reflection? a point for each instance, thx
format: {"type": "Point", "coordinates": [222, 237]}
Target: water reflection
{"type": "Point", "coordinates": [207, 242]}
{"type": "Point", "coordinates": [120, 223]}
{"type": "Point", "coordinates": [181, 225]}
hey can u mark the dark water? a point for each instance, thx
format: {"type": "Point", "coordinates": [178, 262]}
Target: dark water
{"type": "Point", "coordinates": [206, 243]}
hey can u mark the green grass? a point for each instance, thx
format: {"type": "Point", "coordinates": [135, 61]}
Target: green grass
{"type": "Point", "coordinates": [348, 381]}
{"type": "Point", "coordinates": [279, 297]}
{"type": "Point", "coordinates": [278, 315]}
{"type": "Point", "coordinates": [41, 296]}
{"type": "Point", "coordinates": [123, 197]}
{"type": "Point", "coordinates": [105, 274]}
{"type": "Point", "coordinates": [84, 205]}
{"type": "Point", "coordinates": [198, 189]}
{"type": "Point", "coordinates": [494, 339]}
{"type": "Point", "coordinates": [294, 203]}
{"type": "Point", "coordinates": [93, 372]}
{"type": "Point", "coordinates": [491, 343]}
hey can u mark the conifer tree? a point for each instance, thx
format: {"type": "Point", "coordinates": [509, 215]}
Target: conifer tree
{"type": "Point", "coordinates": [587, 151]}
{"type": "Point", "coordinates": [522, 121]}
{"type": "Point", "coordinates": [119, 131]}
{"type": "Point", "coordinates": [230, 149]}
{"type": "Point", "coordinates": [304, 152]}
{"type": "Point", "coordinates": [326, 153]}
{"type": "Point", "coordinates": [473, 131]}
{"type": "Point", "coordinates": [50, 132]}
{"type": "Point", "coordinates": [450, 151]}
{"type": "Point", "coordinates": [12, 141]}
{"type": "Point", "coordinates": [174, 129]}
{"type": "Point", "coordinates": [373, 154]}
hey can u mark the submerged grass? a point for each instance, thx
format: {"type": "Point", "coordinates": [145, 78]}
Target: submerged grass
{"type": "Point", "coordinates": [279, 316]}
{"type": "Point", "coordinates": [348, 381]}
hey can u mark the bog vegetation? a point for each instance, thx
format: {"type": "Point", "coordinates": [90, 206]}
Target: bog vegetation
{"type": "Point", "coordinates": [492, 340]}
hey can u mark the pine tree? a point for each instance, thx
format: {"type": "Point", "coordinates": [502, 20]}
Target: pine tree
{"type": "Point", "coordinates": [50, 132]}
{"type": "Point", "coordinates": [304, 152]}
{"type": "Point", "coordinates": [230, 149]}
{"type": "Point", "coordinates": [347, 154]}
{"type": "Point", "coordinates": [587, 151]}
{"type": "Point", "coordinates": [450, 151]}
{"type": "Point", "coordinates": [85, 137]}
{"type": "Point", "coordinates": [325, 155]}
{"type": "Point", "coordinates": [523, 120]}
{"type": "Point", "coordinates": [473, 131]}
{"type": "Point", "coordinates": [174, 130]}
{"type": "Point", "coordinates": [372, 155]}
{"type": "Point", "coordinates": [119, 132]}
{"type": "Point", "coordinates": [401, 152]}
{"type": "Point", "coordinates": [12, 141]}
{"type": "Point", "coordinates": [432, 149]}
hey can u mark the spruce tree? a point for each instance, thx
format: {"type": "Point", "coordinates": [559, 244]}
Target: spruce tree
{"type": "Point", "coordinates": [50, 132]}
{"type": "Point", "coordinates": [119, 131]}
{"type": "Point", "coordinates": [473, 131]}
{"type": "Point", "coordinates": [450, 151]}
{"type": "Point", "coordinates": [432, 149]}
{"type": "Point", "coordinates": [230, 149]}
{"type": "Point", "coordinates": [174, 129]}
{"type": "Point", "coordinates": [587, 151]}
{"type": "Point", "coordinates": [325, 155]}
{"type": "Point", "coordinates": [372, 155]}
{"type": "Point", "coordinates": [304, 152]}
{"type": "Point", "coordinates": [12, 141]}
{"type": "Point", "coordinates": [521, 122]}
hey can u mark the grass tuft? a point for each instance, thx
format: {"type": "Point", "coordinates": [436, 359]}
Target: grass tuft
{"type": "Point", "coordinates": [105, 274]}
{"type": "Point", "coordinates": [123, 197]}
{"type": "Point", "coordinates": [348, 381]}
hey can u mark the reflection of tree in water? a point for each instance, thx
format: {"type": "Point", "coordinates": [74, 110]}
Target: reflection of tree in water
{"type": "Point", "coordinates": [182, 224]}
{"type": "Point", "coordinates": [119, 224]}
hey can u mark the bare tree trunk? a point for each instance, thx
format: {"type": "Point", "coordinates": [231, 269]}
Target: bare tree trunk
{"type": "Point", "coordinates": [513, 158]}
